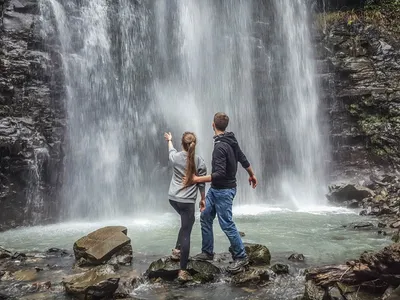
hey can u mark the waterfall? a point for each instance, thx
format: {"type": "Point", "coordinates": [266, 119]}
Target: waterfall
{"type": "Point", "coordinates": [301, 150]}
{"type": "Point", "coordinates": [134, 69]}
{"type": "Point", "coordinates": [208, 68]}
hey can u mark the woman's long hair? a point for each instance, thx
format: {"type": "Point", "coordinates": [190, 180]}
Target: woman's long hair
{"type": "Point", "coordinates": [189, 145]}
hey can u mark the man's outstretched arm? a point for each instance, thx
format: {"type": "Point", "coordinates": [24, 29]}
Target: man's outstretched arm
{"type": "Point", "coordinates": [252, 178]}
{"type": "Point", "coordinates": [246, 165]}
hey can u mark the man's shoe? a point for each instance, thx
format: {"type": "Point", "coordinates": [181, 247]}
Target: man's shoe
{"type": "Point", "coordinates": [238, 265]}
{"type": "Point", "coordinates": [204, 256]}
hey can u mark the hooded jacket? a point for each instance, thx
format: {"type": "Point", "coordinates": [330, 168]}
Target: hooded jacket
{"type": "Point", "coordinates": [225, 158]}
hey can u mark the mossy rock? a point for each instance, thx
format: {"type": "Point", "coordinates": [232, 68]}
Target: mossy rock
{"type": "Point", "coordinates": [167, 269]}
{"type": "Point", "coordinates": [251, 277]}
{"type": "Point", "coordinates": [259, 255]}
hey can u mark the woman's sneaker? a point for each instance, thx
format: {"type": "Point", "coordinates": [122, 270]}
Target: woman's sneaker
{"type": "Point", "coordinates": [239, 265]}
{"type": "Point", "coordinates": [176, 255]}
{"type": "Point", "coordinates": [204, 256]}
{"type": "Point", "coordinates": [184, 276]}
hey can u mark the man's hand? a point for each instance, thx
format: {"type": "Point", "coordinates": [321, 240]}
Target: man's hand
{"type": "Point", "coordinates": [253, 181]}
{"type": "Point", "coordinates": [202, 205]}
{"type": "Point", "coordinates": [168, 136]}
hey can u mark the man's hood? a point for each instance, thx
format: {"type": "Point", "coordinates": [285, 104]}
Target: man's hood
{"type": "Point", "coordinates": [227, 137]}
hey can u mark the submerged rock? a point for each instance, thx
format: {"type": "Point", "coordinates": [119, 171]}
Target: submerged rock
{"type": "Point", "coordinates": [296, 257]}
{"type": "Point", "coordinates": [56, 252]}
{"type": "Point", "coordinates": [360, 225]}
{"type": "Point", "coordinates": [280, 269]}
{"type": "Point", "coordinates": [98, 283]}
{"type": "Point", "coordinates": [99, 246]}
{"type": "Point", "coordinates": [348, 192]}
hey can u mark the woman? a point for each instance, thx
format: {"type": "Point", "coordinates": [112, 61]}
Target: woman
{"type": "Point", "coordinates": [183, 193]}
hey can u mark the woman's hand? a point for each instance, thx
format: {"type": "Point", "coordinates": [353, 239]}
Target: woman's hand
{"type": "Point", "coordinates": [168, 136]}
{"type": "Point", "coordinates": [202, 205]}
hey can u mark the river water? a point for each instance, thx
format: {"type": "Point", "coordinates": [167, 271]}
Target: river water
{"type": "Point", "coordinates": [318, 234]}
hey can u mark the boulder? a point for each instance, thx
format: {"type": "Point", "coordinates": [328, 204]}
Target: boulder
{"type": "Point", "coordinates": [353, 204]}
{"type": "Point", "coordinates": [372, 273]}
{"type": "Point", "coordinates": [348, 192]}
{"type": "Point", "coordinates": [26, 275]}
{"type": "Point", "coordinates": [253, 276]}
{"type": "Point", "coordinates": [99, 246]}
{"type": "Point", "coordinates": [313, 292]}
{"type": "Point", "coordinates": [393, 295]}
{"type": "Point", "coordinates": [280, 269]}
{"type": "Point", "coordinates": [98, 283]}
{"type": "Point", "coordinates": [165, 268]}
{"type": "Point", "coordinates": [395, 224]}
{"type": "Point", "coordinates": [259, 255]}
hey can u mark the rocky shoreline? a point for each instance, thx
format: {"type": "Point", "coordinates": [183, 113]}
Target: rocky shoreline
{"type": "Point", "coordinates": [378, 196]}
{"type": "Point", "coordinates": [103, 265]}
{"type": "Point", "coordinates": [101, 268]}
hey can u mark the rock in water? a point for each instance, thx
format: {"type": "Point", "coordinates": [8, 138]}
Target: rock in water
{"type": "Point", "coordinates": [371, 274]}
{"type": "Point", "coordinates": [254, 276]}
{"type": "Point", "coordinates": [280, 269]}
{"type": "Point", "coordinates": [99, 246]}
{"type": "Point", "coordinates": [394, 295]}
{"type": "Point", "coordinates": [98, 283]}
{"type": "Point", "coordinates": [347, 192]}
{"type": "Point", "coordinates": [4, 253]}
{"type": "Point", "coordinates": [25, 275]}
{"type": "Point", "coordinates": [259, 255]}
{"type": "Point", "coordinates": [296, 257]}
{"type": "Point", "coordinates": [166, 268]}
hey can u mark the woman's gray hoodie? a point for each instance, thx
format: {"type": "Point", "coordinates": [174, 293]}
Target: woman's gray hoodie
{"type": "Point", "coordinates": [177, 192]}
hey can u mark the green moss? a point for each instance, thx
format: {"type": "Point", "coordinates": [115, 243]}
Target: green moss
{"type": "Point", "coordinates": [372, 124]}
{"type": "Point", "coordinates": [385, 15]}
{"type": "Point", "coordinates": [354, 109]}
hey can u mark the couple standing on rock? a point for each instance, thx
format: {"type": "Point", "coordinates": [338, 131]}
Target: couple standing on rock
{"type": "Point", "coordinates": [189, 175]}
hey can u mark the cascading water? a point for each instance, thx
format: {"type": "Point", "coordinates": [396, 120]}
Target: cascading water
{"type": "Point", "coordinates": [299, 150]}
{"type": "Point", "coordinates": [134, 69]}
{"type": "Point", "coordinates": [300, 117]}
{"type": "Point", "coordinates": [208, 68]}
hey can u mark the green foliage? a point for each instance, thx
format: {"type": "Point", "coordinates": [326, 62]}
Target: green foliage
{"type": "Point", "coordinates": [385, 14]}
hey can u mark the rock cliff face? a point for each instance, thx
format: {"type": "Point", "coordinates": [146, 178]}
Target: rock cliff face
{"type": "Point", "coordinates": [31, 118]}
{"type": "Point", "coordinates": [359, 69]}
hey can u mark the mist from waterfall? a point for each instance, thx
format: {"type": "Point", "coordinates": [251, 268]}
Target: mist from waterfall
{"type": "Point", "coordinates": [134, 69]}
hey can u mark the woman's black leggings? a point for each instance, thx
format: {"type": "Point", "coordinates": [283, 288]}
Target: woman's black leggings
{"type": "Point", "coordinates": [186, 211]}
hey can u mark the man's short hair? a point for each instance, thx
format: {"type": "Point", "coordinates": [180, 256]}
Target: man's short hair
{"type": "Point", "coordinates": [221, 121]}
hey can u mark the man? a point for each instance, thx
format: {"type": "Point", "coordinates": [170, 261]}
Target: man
{"type": "Point", "coordinates": [225, 158]}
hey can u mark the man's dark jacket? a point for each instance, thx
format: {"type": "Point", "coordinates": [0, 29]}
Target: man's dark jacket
{"type": "Point", "coordinates": [225, 158]}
